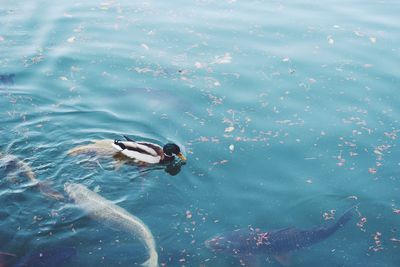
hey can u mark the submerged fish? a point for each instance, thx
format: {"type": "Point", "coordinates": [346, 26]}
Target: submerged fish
{"type": "Point", "coordinates": [53, 257]}
{"type": "Point", "coordinates": [113, 216]}
{"type": "Point", "coordinates": [250, 242]}
{"type": "Point", "coordinates": [10, 163]}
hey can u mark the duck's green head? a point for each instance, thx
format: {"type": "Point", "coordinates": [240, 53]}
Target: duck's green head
{"type": "Point", "coordinates": [171, 149]}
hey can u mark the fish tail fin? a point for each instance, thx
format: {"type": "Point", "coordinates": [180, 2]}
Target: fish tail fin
{"type": "Point", "coordinates": [152, 261]}
{"type": "Point", "coordinates": [27, 170]}
{"type": "Point", "coordinates": [30, 174]}
{"type": "Point", "coordinates": [47, 190]}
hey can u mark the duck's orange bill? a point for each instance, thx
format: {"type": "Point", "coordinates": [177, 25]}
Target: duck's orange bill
{"type": "Point", "coordinates": [181, 156]}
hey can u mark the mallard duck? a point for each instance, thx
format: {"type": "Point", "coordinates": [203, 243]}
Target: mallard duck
{"type": "Point", "coordinates": [148, 152]}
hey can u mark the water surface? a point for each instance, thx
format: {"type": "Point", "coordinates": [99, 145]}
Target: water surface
{"type": "Point", "coordinates": [286, 111]}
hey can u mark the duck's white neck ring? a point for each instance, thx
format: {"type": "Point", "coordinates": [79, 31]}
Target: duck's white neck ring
{"type": "Point", "coordinates": [168, 156]}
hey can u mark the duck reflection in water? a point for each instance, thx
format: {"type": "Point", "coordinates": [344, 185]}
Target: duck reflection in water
{"type": "Point", "coordinates": [7, 79]}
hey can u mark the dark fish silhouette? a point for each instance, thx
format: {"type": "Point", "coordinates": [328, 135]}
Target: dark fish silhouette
{"type": "Point", "coordinates": [279, 243]}
{"type": "Point", "coordinates": [7, 79]}
{"type": "Point", "coordinates": [54, 257]}
{"type": "Point", "coordinates": [10, 164]}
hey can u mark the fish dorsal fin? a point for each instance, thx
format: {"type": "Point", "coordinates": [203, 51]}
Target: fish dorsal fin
{"type": "Point", "coordinates": [285, 258]}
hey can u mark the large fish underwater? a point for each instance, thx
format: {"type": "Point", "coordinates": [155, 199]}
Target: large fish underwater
{"type": "Point", "coordinates": [114, 217]}
{"type": "Point", "coordinates": [247, 244]}
{"type": "Point", "coordinates": [13, 167]}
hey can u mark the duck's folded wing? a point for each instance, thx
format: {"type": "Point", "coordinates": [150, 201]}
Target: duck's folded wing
{"type": "Point", "coordinates": [158, 149]}
{"type": "Point", "coordinates": [141, 157]}
{"type": "Point", "coordinates": [137, 147]}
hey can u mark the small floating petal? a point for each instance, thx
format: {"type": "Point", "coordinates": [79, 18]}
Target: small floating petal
{"type": "Point", "coordinates": [229, 129]}
{"type": "Point", "coordinates": [145, 46]}
{"type": "Point", "coordinates": [71, 39]}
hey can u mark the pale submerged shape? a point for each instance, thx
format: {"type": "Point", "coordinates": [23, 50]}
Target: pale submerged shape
{"type": "Point", "coordinates": [229, 129]}
{"type": "Point", "coordinates": [113, 216]}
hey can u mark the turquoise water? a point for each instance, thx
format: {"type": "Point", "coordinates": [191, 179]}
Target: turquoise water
{"type": "Point", "coordinates": [285, 111]}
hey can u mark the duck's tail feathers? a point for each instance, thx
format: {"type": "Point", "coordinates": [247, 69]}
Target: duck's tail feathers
{"type": "Point", "coordinates": [119, 145]}
{"type": "Point", "coordinates": [129, 139]}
